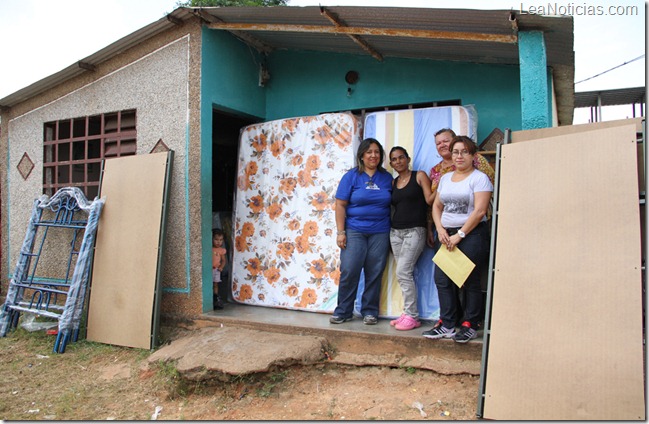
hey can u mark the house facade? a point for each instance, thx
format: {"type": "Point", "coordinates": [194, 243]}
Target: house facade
{"type": "Point", "coordinates": [192, 80]}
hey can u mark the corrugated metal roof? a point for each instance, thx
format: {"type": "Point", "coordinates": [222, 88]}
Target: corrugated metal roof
{"type": "Point", "coordinates": [621, 96]}
{"type": "Point", "coordinates": [280, 33]}
{"type": "Point", "coordinates": [559, 31]}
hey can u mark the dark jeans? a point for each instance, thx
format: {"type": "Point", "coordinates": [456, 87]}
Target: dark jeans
{"type": "Point", "coordinates": [369, 253]}
{"type": "Point", "coordinates": [475, 246]}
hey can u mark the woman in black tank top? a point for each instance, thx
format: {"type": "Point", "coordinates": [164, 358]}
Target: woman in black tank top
{"type": "Point", "coordinates": [411, 193]}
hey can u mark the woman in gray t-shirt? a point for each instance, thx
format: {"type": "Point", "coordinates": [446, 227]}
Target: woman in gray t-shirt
{"type": "Point", "coordinates": [459, 214]}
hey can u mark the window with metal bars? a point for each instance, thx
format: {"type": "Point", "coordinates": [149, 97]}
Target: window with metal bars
{"type": "Point", "coordinates": [74, 148]}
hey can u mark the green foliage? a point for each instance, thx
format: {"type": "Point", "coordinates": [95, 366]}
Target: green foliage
{"type": "Point", "coordinates": [170, 378]}
{"type": "Point", "coordinates": [36, 341]}
{"type": "Point", "coordinates": [273, 380]}
{"type": "Point", "coordinates": [168, 370]}
{"type": "Point", "coordinates": [332, 405]}
{"type": "Point", "coordinates": [176, 386]}
{"type": "Point", "coordinates": [230, 3]}
{"type": "Point", "coordinates": [409, 370]}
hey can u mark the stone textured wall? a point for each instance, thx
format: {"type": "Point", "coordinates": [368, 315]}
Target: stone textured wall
{"type": "Point", "coordinates": [160, 78]}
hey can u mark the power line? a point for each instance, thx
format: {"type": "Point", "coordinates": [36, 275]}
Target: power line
{"type": "Point", "coordinates": [609, 70]}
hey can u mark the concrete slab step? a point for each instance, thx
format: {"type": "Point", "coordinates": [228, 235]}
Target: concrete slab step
{"type": "Point", "coordinates": [352, 342]}
{"type": "Point", "coordinates": [220, 353]}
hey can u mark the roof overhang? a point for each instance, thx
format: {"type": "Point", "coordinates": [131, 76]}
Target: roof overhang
{"type": "Point", "coordinates": [478, 36]}
{"type": "Point", "coordinates": [620, 96]}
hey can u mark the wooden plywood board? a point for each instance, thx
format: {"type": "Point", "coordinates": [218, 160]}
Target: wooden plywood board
{"type": "Point", "coordinates": [126, 258]}
{"type": "Point", "coordinates": [566, 336]}
{"type": "Point", "coordinates": [518, 136]}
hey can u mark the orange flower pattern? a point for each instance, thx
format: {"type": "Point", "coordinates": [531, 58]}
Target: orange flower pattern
{"type": "Point", "coordinates": [277, 147]}
{"type": "Point", "coordinates": [274, 211]}
{"type": "Point", "coordinates": [318, 268]}
{"type": "Point", "coordinates": [253, 267]}
{"type": "Point", "coordinates": [247, 229]}
{"type": "Point", "coordinates": [272, 275]}
{"type": "Point", "coordinates": [256, 204]}
{"type": "Point", "coordinates": [287, 185]}
{"type": "Point", "coordinates": [294, 225]}
{"type": "Point", "coordinates": [310, 228]}
{"type": "Point", "coordinates": [309, 297]}
{"type": "Point", "coordinates": [285, 252]}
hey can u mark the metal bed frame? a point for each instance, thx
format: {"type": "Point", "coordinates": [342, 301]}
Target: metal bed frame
{"type": "Point", "coordinates": [61, 299]}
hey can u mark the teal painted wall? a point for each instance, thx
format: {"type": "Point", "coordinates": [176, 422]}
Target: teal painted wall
{"type": "Point", "coordinates": [306, 83]}
{"type": "Point", "coordinates": [229, 82]}
{"type": "Point", "coordinates": [230, 76]}
{"type": "Point", "coordinates": [536, 96]}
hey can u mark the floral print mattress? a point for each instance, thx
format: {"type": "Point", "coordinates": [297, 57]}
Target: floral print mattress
{"type": "Point", "coordinates": [285, 252]}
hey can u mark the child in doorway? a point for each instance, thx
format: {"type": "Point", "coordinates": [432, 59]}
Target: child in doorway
{"type": "Point", "coordinates": [218, 263]}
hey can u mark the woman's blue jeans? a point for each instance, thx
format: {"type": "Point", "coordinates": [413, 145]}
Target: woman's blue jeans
{"type": "Point", "coordinates": [369, 253]}
{"type": "Point", "coordinates": [475, 246]}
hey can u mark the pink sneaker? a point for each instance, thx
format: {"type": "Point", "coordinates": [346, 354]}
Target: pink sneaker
{"type": "Point", "coordinates": [398, 320]}
{"type": "Point", "coordinates": [407, 323]}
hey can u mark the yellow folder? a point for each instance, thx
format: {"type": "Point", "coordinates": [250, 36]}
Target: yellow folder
{"type": "Point", "coordinates": [455, 264]}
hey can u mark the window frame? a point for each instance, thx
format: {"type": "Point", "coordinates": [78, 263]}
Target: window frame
{"type": "Point", "coordinates": [74, 148]}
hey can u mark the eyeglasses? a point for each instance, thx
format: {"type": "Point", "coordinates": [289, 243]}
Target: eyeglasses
{"type": "Point", "coordinates": [402, 157]}
{"type": "Point", "coordinates": [463, 153]}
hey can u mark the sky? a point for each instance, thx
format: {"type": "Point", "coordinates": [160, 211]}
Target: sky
{"type": "Point", "coordinates": [42, 37]}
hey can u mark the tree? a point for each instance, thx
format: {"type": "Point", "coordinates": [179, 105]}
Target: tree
{"type": "Point", "coordinates": [230, 3]}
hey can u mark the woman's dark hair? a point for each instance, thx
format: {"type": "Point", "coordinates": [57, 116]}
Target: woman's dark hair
{"type": "Point", "coordinates": [405, 152]}
{"type": "Point", "coordinates": [468, 143]}
{"type": "Point", "coordinates": [364, 147]}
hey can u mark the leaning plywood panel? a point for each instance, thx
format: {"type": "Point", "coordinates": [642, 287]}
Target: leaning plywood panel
{"type": "Point", "coordinates": [125, 270]}
{"type": "Point", "coordinates": [414, 129]}
{"type": "Point", "coordinates": [285, 252]}
{"type": "Point", "coordinates": [568, 255]}
{"type": "Point", "coordinates": [518, 136]}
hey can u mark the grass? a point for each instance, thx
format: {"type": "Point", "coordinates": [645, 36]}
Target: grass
{"type": "Point", "coordinates": [38, 341]}
{"type": "Point", "coordinates": [168, 370]}
{"type": "Point", "coordinates": [170, 378]}
{"type": "Point", "coordinates": [83, 353]}
{"type": "Point", "coordinates": [87, 382]}
{"type": "Point", "coordinates": [332, 405]}
{"type": "Point", "coordinates": [409, 370]}
{"type": "Point", "coordinates": [40, 384]}
{"type": "Point", "coordinates": [273, 381]}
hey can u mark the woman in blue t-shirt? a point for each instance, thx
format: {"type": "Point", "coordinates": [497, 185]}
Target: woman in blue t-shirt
{"type": "Point", "coordinates": [363, 223]}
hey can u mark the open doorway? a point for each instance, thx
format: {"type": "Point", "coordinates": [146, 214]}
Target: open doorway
{"type": "Point", "coordinates": [225, 149]}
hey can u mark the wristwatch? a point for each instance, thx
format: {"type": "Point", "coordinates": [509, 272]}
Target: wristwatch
{"type": "Point", "coordinates": [461, 233]}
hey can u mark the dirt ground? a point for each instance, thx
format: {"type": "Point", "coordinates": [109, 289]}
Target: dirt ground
{"type": "Point", "coordinates": [92, 381]}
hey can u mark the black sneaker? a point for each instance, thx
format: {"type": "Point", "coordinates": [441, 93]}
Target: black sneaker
{"type": "Point", "coordinates": [216, 300]}
{"type": "Point", "coordinates": [439, 332]}
{"type": "Point", "coordinates": [466, 333]}
{"type": "Point", "coordinates": [335, 319]}
{"type": "Point", "coordinates": [370, 320]}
